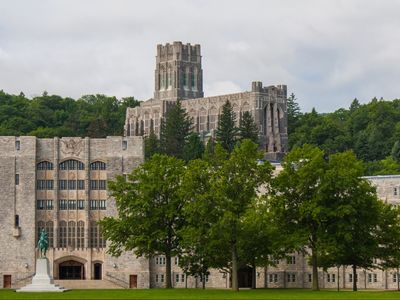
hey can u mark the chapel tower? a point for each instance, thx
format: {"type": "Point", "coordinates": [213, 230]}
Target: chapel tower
{"type": "Point", "coordinates": [178, 73]}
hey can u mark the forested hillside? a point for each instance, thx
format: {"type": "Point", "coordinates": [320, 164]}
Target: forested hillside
{"type": "Point", "coordinates": [371, 130]}
{"type": "Point", "coordinates": [52, 115]}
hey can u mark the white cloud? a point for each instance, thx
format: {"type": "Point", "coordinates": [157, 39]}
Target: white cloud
{"type": "Point", "coordinates": [326, 51]}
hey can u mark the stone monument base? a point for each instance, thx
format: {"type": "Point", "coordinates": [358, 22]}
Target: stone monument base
{"type": "Point", "coordinates": [42, 281]}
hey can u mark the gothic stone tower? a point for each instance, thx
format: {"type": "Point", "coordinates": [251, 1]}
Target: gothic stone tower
{"type": "Point", "coordinates": [178, 76]}
{"type": "Point", "coordinates": [178, 73]}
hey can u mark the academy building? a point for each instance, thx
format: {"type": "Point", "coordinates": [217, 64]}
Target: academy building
{"type": "Point", "coordinates": [60, 184]}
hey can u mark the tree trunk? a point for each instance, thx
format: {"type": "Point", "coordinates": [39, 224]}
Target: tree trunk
{"type": "Point", "coordinates": [315, 285]}
{"type": "Point", "coordinates": [354, 278]}
{"type": "Point", "coordinates": [203, 282]}
{"type": "Point", "coordinates": [235, 283]}
{"type": "Point", "coordinates": [338, 278]}
{"type": "Point", "coordinates": [254, 277]}
{"type": "Point", "coordinates": [168, 283]}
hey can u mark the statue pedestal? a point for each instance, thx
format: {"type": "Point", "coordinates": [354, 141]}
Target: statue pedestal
{"type": "Point", "coordinates": [42, 281]}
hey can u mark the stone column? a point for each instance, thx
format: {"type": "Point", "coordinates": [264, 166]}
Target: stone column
{"type": "Point", "coordinates": [277, 134]}
{"type": "Point", "coordinates": [269, 129]}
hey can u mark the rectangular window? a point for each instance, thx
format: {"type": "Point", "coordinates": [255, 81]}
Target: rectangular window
{"type": "Point", "coordinates": [17, 145]}
{"type": "Point", "coordinates": [333, 277]}
{"type": "Point", "coordinates": [176, 260]}
{"type": "Point", "coordinates": [156, 277]}
{"type": "Point", "coordinates": [291, 260]}
{"type": "Point", "coordinates": [62, 204]}
{"type": "Point", "coordinates": [350, 277]}
{"type": "Point", "coordinates": [93, 204]}
{"type": "Point", "coordinates": [288, 277]}
{"type": "Point", "coordinates": [271, 277]}
{"type": "Point", "coordinates": [177, 278]}
{"type": "Point", "coordinates": [81, 184]}
{"type": "Point", "coordinates": [293, 277]}
{"type": "Point", "coordinates": [375, 278]}
{"type": "Point", "coordinates": [49, 184]}
{"type": "Point", "coordinates": [72, 184]}
{"type": "Point", "coordinates": [102, 185]}
{"type": "Point", "coordinates": [40, 204]}
{"type": "Point", "coordinates": [16, 221]}
{"type": "Point", "coordinates": [71, 204]}
{"type": "Point", "coordinates": [156, 260]}
{"type": "Point", "coordinates": [309, 277]}
{"type": "Point", "coordinates": [16, 179]}
{"type": "Point", "coordinates": [124, 145]}
{"type": "Point", "coordinates": [328, 277]}
{"type": "Point", "coordinates": [62, 184]}
{"type": "Point", "coordinates": [94, 184]}
{"type": "Point", "coordinates": [182, 277]}
{"type": "Point", "coordinates": [102, 204]}
{"type": "Point", "coordinates": [369, 277]}
{"type": "Point", "coordinates": [394, 277]}
{"type": "Point", "coordinates": [81, 204]}
{"type": "Point", "coordinates": [162, 278]}
{"type": "Point", "coordinates": [44, 184]}
{"type": "Point", "coordinates": [275, 277]}
{"type": "Point", "coordinates": [395, 191]}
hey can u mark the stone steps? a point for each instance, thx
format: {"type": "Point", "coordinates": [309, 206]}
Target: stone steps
{"type": "Point", "coordinates": [87, 284]}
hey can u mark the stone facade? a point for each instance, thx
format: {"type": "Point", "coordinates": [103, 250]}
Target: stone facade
{"type": "Point", "coordinates": [179, 76]}
{"type": "Point", "coordinates": [60, 185]}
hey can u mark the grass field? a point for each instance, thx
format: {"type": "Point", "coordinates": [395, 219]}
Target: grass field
{"type": "Point", "coordinates": [179, 294]}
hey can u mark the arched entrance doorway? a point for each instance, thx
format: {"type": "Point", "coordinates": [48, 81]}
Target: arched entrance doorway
{"type": "Point", "coordinates": [97, 271]}
{"type": "Point", "coordinates": [245, 277]}
{"type": "Point", "coordinates": [71, 269]}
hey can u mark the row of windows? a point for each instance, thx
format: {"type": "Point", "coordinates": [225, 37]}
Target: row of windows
{"type": "Point", "coordinates": [71, 164]}
{"type": "Point", "coordinates": [179, 276]}
{"type": "Point", "coordinates": [72, 235]}
{"type": "Point", "coordinates": [291, 277]}
{"type": "Point", "coordinates": [160, 260]}
{"type": "Point", "coordinates": [42, 184]}
{"type": "Point", "coordinates": [80, 204]}
{"type": "Point", "coordinates": [44, 204]}
{"type": "Point", "coordinates": [71, 184]}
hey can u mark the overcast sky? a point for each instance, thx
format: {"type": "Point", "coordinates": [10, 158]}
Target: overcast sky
{"type": "Point", "coordinates": [327, 52]}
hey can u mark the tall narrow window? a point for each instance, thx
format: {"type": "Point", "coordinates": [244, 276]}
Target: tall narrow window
{"type": "Point", "coordinates": [62, 235]}
{"type": "Point", "coordinates": [16, 179]}
{"type": "Point", "coordinates": [94, 233]}
{"type": "Point", "coordinates": [16, 221]}
{"type": "Point", "coordinates": [71, 234]}
{"type": "Point", "coordinates": [50, 233]}
{"type": "Point", "coordinates": [80, 234]}
{"type": "Point", "coordinates": [17, 145]}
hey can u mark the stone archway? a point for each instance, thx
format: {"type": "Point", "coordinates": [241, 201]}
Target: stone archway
{"type": "Point", "coordinates": [70, 268]}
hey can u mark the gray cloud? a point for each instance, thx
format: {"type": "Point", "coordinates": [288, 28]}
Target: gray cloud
{"type": "Point", "coordinates": [327, 51]}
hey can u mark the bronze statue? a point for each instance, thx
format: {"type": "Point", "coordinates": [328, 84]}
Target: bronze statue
{"type": "Point", "coordinates": [43, 243]}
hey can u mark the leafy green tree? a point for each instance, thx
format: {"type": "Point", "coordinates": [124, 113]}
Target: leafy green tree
{"type": "Point", "coordinates": [396, 152]}
{"type": "Point", "coordinates": [193, 148]}
{"type": "Point", "coordinates": [352, 215]}
{"type": "Point", "coordinates": [293, 112]}
{"type": "Point", "coordinates": [201, 249]}
{"type": "Point", "coordinates": [151, 144]}
{"type": "Point", "coordinates": [227, 132]}
{"type": "Point", "coordinates": [234, 185]}
{"type": "Point", "coordinates": [389, 238]}
{"type": "Point", "coordinates": [149, 211]}
{"type": "Point", "coordinates": [174, 131]}
{"type": "Point", "coordinates": [297, 202]}
{"type": "Point", "coordinates": [248, 128]}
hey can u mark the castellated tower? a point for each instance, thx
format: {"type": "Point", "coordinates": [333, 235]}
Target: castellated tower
{"type": "Point", "coordinates": [178, 73]}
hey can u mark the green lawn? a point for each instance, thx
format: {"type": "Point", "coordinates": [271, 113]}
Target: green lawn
{"type": "Point", "coordinates": [201, 294]}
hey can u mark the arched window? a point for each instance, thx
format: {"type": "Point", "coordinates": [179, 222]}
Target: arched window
{"type": "Point", "coordinates": [44, 165]}
{"type": "Point", "coordinates": [80, 235]}
{"type": "Point", "coordinates": [71, 234]}
{"type": "Point", "coordinates": [62, 236]}
{"type": "Point", "coordinates": [72, 164]}
{"type": "Point", "coordinates": [40, 226]}
{"type": "Point", "coordinates": [98, 165]}
{"type": "Point", "coordinates": [50, 233]}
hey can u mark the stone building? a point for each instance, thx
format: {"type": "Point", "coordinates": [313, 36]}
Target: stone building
{"type": "Point", "coordinates": [179, 76]}
{"type": "Point", "coordinates": [60, 184]}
